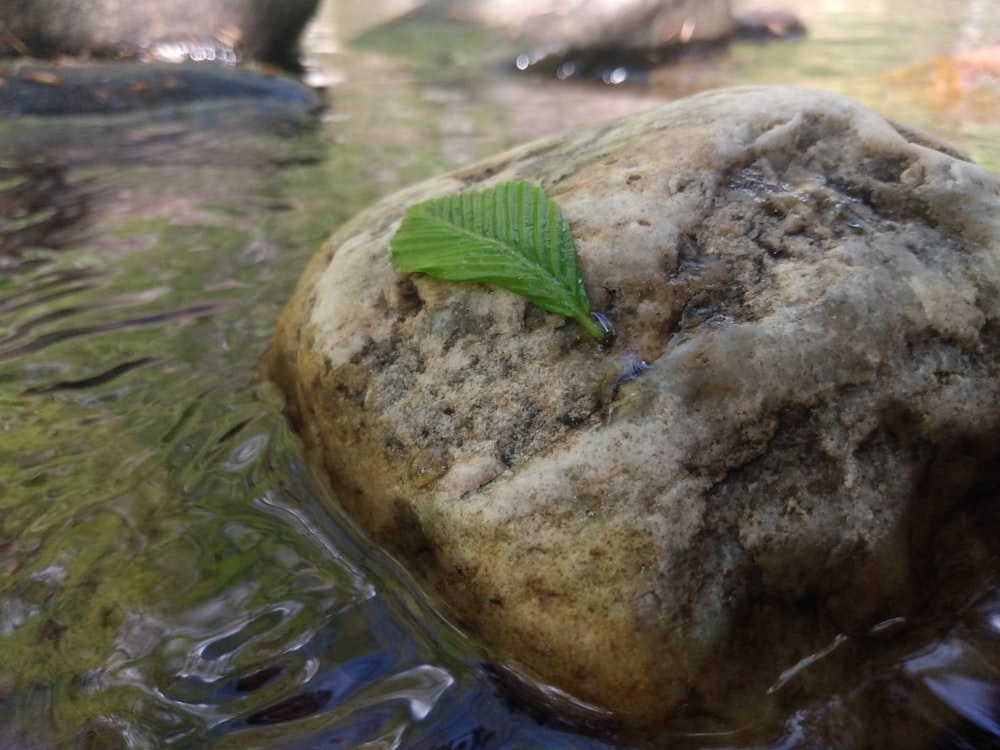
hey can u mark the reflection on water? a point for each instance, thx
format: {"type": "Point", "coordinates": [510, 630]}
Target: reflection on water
{"type": "Point", "coordinates": [173, 573]}
{"type": "Point", "coordinates": [175, 576]}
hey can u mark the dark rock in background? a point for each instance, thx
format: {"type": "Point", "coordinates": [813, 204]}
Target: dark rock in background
{"type": "Point", "coordinates": [262, 30]}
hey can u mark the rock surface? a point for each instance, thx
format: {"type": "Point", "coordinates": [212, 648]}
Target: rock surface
{"type": "Point", "coordinates": [817, 292]}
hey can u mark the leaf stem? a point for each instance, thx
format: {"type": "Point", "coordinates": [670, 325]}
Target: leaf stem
{"type": "Point", "coordinates": [594, 325]}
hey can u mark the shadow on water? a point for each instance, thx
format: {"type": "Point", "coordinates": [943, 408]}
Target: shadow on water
{"type": "Point", "coordinates": [173, 573]}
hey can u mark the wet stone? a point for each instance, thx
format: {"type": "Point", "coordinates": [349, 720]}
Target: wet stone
{"type": "Point", "coordinates": [584, 37]}
{"type": "Point", "coordinates": [816, 293]}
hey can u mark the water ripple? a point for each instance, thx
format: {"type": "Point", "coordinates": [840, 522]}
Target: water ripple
{"type": "Point", "coordinates": [244, 454]}
{"type": "Point", "coordinates": [182, 316]}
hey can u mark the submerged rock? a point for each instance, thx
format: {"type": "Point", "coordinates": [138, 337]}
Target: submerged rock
{"type": "Point", "coordinates": [963, 87]}
{"type": "Point", "coordinates": [816, 291]}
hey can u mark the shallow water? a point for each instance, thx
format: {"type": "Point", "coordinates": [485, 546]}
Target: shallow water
{"type": "Point", "coordinates": [175, 575]}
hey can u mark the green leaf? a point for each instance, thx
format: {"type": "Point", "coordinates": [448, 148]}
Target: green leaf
{"type": "Point", "coordinates": [511, 236]}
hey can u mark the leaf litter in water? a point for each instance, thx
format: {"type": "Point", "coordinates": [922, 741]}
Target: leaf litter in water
{"type": "Point", "coordinates": [512, 236]}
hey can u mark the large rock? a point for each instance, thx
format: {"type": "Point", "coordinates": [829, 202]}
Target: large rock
{"type": "Point", "coordinates": [817, 293]}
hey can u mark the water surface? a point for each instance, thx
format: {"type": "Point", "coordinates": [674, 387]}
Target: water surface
{"type": "Point", "coordinates": [175, 574]}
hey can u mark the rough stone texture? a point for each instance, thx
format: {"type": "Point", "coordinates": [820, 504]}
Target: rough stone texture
{"type": "Point", "coordinates": [265, 30]}
{"type": "Point", "coordinates": [817, 292]}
